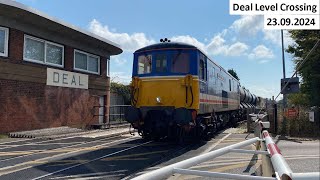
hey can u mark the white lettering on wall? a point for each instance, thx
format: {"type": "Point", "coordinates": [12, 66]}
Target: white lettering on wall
{"type": "Point", "coordinates": [62, 78]}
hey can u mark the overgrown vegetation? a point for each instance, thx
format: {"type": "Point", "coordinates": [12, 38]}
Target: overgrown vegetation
{"type": "Point", "coordinates": [3, 136]}
{"type": "Point", "coordinates": [301, 126]}
{"type": "Point", "coordinates": [234, 74]}
{"type": "Point", "coordinates": [310, 71]}
{"type": "Point", "coordinates": [309, 86]}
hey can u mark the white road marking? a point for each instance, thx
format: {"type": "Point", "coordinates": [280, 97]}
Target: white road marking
{"type": "Point", "coordinates": [55, 149]}
{"type": "Point", "coordinates": [88, 175]}
{"type": "Point", "coordinates": [61, 170]}
{"type": "Point", "coordinates": [27, 165]}
{"type": "Point", "coordinates": [216, 144]}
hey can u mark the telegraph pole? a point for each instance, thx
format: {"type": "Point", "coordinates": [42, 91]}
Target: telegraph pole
{"type": "Point", "coordinates": [284, 100]}
{"type": "Point", "coordinates": [283, 62]}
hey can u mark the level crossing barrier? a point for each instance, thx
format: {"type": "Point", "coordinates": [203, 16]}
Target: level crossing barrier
{"type": "Point", "coordinates": [274, 166]}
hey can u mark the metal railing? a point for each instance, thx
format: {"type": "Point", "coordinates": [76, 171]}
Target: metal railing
{"type": "Point", "coordinates": [270, 151]}
{"type": "Point", "coordinates": [116, 114]}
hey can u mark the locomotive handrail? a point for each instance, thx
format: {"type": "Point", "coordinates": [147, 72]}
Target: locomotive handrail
{"type": "Point", "coordinates": [188, 84]}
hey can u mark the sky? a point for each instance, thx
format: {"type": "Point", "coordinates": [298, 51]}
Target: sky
{"type": "Point", "coordinates": [234, 42]}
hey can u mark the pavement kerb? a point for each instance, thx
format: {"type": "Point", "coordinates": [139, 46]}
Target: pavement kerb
{"type": "Point", "coordinates": [64, 134]}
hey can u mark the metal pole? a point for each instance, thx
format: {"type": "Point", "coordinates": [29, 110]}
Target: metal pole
{"type": "Point", "coordinates": [283, 62]}
{"type": "Point", "coordinates": [306, 176]}
{"type": "Point", "coordinates": [284, 101]}
{"type": "Point", "coordinates": [275, 106]}
{"type": "Point", "coordinates": [220, 175]}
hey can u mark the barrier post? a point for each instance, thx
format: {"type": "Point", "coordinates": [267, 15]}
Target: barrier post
{"type": "Point", "coordinates": [279, 164]}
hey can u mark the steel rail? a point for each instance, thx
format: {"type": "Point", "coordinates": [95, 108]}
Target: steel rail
{"type": "Point", "coordinates": [58, 148]}
{"type": "Point", "coordinates": [98, 158]}
{"type": "Point", "coordinates": [26, 165]}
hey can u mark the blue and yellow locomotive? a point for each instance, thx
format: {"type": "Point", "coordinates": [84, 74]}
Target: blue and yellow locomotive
{"type": "Point", "coordinates": [178, 90]}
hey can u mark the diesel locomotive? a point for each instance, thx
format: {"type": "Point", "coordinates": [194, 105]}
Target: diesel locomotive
{"type": "Point", "coordinates": [178, 91]}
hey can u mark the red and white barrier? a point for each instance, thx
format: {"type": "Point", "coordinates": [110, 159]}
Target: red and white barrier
{"type": "Point", "coordinates": [279, 164]}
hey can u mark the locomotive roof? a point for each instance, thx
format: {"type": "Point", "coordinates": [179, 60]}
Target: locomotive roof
{"type": "Point", "coordinates": [178, 45]}
{"type": "Point", "coordinates": [166, 45]}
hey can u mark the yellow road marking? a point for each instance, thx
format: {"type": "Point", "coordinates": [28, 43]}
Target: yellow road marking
{"type": "Point", "coordinates": [29, 164]}
{"type": "Point", "coordinates": [66, 162]}
{"type": "Point", "coordinates": [15, 153]}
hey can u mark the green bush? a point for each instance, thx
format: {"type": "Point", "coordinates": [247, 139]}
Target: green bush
{"type": "Point", "coordinates": [302, 127]}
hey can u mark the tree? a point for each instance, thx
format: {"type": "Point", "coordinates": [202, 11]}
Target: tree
{"type": "Point", "coordinates": [122, 90]}
{"type": "Point", "coordinates": [234, 74]}
{"type": "Point", "coordinates": [310, 71]}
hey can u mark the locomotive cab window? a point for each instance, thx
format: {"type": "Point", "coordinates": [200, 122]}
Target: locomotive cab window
{"type": "Point", "coordinates": [180, 63]}
{"type": "Point", "coordinates": [144, 64]}
{"type": "Point", "coordinates": [161, 63]}
{"type": "Point", "coordinates": [202, 70]}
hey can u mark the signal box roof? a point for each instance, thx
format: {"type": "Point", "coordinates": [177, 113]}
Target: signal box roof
{"type": "Point", "coordinates": [28, 15]}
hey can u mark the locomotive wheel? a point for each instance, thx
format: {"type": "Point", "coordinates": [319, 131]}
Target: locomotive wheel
{"type": "Point", "coordinates": [181, 135]}
{"type": "Point", "coordinates": [146, 136]}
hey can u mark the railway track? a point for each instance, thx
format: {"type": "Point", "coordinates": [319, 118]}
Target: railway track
{"type": "Point", "coordinates": [55, 146]}
{"type": "Point", "coordinates": [120, 157]}
{"type": "Point", "coordinates": [90, 161]}
{"type": "Point", "coordinates": [110, 157]}
{"type": "Point", "coordinates": [11, 168]}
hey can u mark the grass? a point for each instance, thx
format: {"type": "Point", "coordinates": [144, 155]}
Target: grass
{"type": "Point", "coordinates": [3, 136]}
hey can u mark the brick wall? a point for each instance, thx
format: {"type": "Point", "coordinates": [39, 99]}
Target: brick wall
{"type": "Point", "coordinates": [16, 39]}
{"type": "Point", "coordinates": [26, 104]}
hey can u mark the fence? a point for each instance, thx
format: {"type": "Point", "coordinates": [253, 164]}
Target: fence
{"type": "Point", "coordinates": [116, 114]}
{"type": "Point", "coordinates": [297, 125]}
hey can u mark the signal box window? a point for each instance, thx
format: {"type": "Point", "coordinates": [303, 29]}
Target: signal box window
{"type": "Point", "coordinates": [161, 63]}
{"type": "Point", "coordinates": [144, 64]}
{"type": "Point", "coordinates": [44, 52]}
{"type": "Point", "coordinates": [86, 62]}
{"type": "Point", "coordinates": [4, 41]}
{"type": "Point", "coordinates": [180, 63]}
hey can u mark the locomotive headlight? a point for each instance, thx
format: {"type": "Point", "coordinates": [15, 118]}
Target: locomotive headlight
{"type": "Point", "coordinates": [158, 99]}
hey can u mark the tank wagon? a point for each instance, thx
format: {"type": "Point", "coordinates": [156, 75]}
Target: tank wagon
{"type": "Point", "coordinates": [178, 91]}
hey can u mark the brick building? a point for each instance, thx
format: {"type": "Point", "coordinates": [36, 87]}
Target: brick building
{"type": "Point", "coordinates": [51, 73]}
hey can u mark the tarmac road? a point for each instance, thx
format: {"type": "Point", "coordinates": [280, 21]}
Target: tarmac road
{"type": "Point", "coordinates": [301, 155]}
{"type": "Point", "coordinates": [83, 158]}
{"type": "Point", "coordinates": [126, 156]}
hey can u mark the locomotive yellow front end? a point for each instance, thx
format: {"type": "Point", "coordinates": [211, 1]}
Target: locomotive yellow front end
{"type": "Point", "coordinates": [165, 90]}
